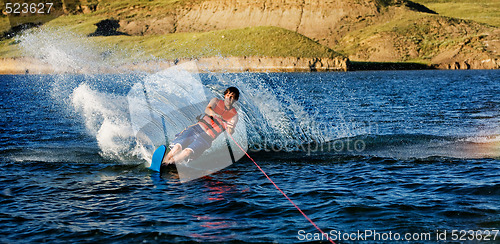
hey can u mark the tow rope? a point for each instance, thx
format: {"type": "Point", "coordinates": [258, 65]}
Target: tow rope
{"type": "Point", "coordinates": [297, 207]}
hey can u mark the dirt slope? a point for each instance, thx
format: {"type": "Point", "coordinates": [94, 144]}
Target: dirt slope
{"type": "Point", "coordinates": [363, 30]}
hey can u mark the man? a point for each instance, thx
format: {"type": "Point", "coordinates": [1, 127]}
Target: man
{"type": "Point", "coordinates": [220, 115]}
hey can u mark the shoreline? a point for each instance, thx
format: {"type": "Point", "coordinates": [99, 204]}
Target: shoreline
{"type": "Point", "coordinates": [27, 65]}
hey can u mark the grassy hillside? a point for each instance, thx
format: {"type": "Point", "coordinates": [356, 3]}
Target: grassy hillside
{"type": "Point", "coordinates": [83, 23]}
{"type": "Point", "coordinates": [412, 37]}
{"type": "Point", "coordinates": [483, 11]}
{"type": "Point", "coordinates": [396, 33]}
{"type": "Point", "coordinates": [4, 24]}
{"type": "Point", "coordinates": [255, 41]}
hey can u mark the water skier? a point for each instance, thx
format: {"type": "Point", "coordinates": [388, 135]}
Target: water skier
{"type": "Point", "coordinates": [220, 115]}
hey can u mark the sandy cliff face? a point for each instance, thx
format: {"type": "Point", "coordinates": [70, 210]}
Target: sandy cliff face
{"type": "Point", "coordinates": [324, 21]}
{"type": "Point", "coordinates": [319, 20]}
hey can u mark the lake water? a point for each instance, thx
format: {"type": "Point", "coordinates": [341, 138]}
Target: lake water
{"type": "Point", "coordinates": [386, 152]}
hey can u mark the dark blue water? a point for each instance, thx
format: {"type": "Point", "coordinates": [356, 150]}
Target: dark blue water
{"type": "Point", "coordinates": [389, 152]}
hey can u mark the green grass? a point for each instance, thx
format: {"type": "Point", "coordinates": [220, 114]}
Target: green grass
{"type": "Point", "coordinates": [256, 41]}
{"type": "Point", "coordinates": [9, 49]}
{"type": "Point", "coordinates": [420, 30]}
{"type": "Point", "coordinates": [118, 9]}
{"type": "Point", "coordinates": [483, 11]}
{"type": "Point", "coordinates": [398, 23]}
{"type": "Point", "coordinates": [4, 24]}
{"type": "Point", "coordinates": [83, 24]}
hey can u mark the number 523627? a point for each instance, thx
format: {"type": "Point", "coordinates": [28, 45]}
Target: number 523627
{"type": "Point", "coordinates": [28, 8]}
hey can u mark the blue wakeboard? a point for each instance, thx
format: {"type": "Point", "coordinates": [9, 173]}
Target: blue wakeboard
{"type": "Point", "coordinates": [157, 158]}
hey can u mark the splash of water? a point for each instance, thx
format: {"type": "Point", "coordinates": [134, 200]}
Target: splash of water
{"type": "Point", "coordinates": [63, 51]}
{"type": "Point", "coordinates": [105, 118]}
{"type": "Point", "coordinates": [277, 120]}
{"type": "Point", "coordinates": [274, 118]}
{"type": "Point", "coordinates": [104, 113]}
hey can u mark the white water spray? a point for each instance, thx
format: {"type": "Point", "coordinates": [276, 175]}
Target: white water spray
{"type": "Point", "coordinates": [272, 115]}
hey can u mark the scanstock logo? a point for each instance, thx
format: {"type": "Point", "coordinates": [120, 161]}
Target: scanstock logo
{"type": "Point", "coordinates": [164, 104]}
